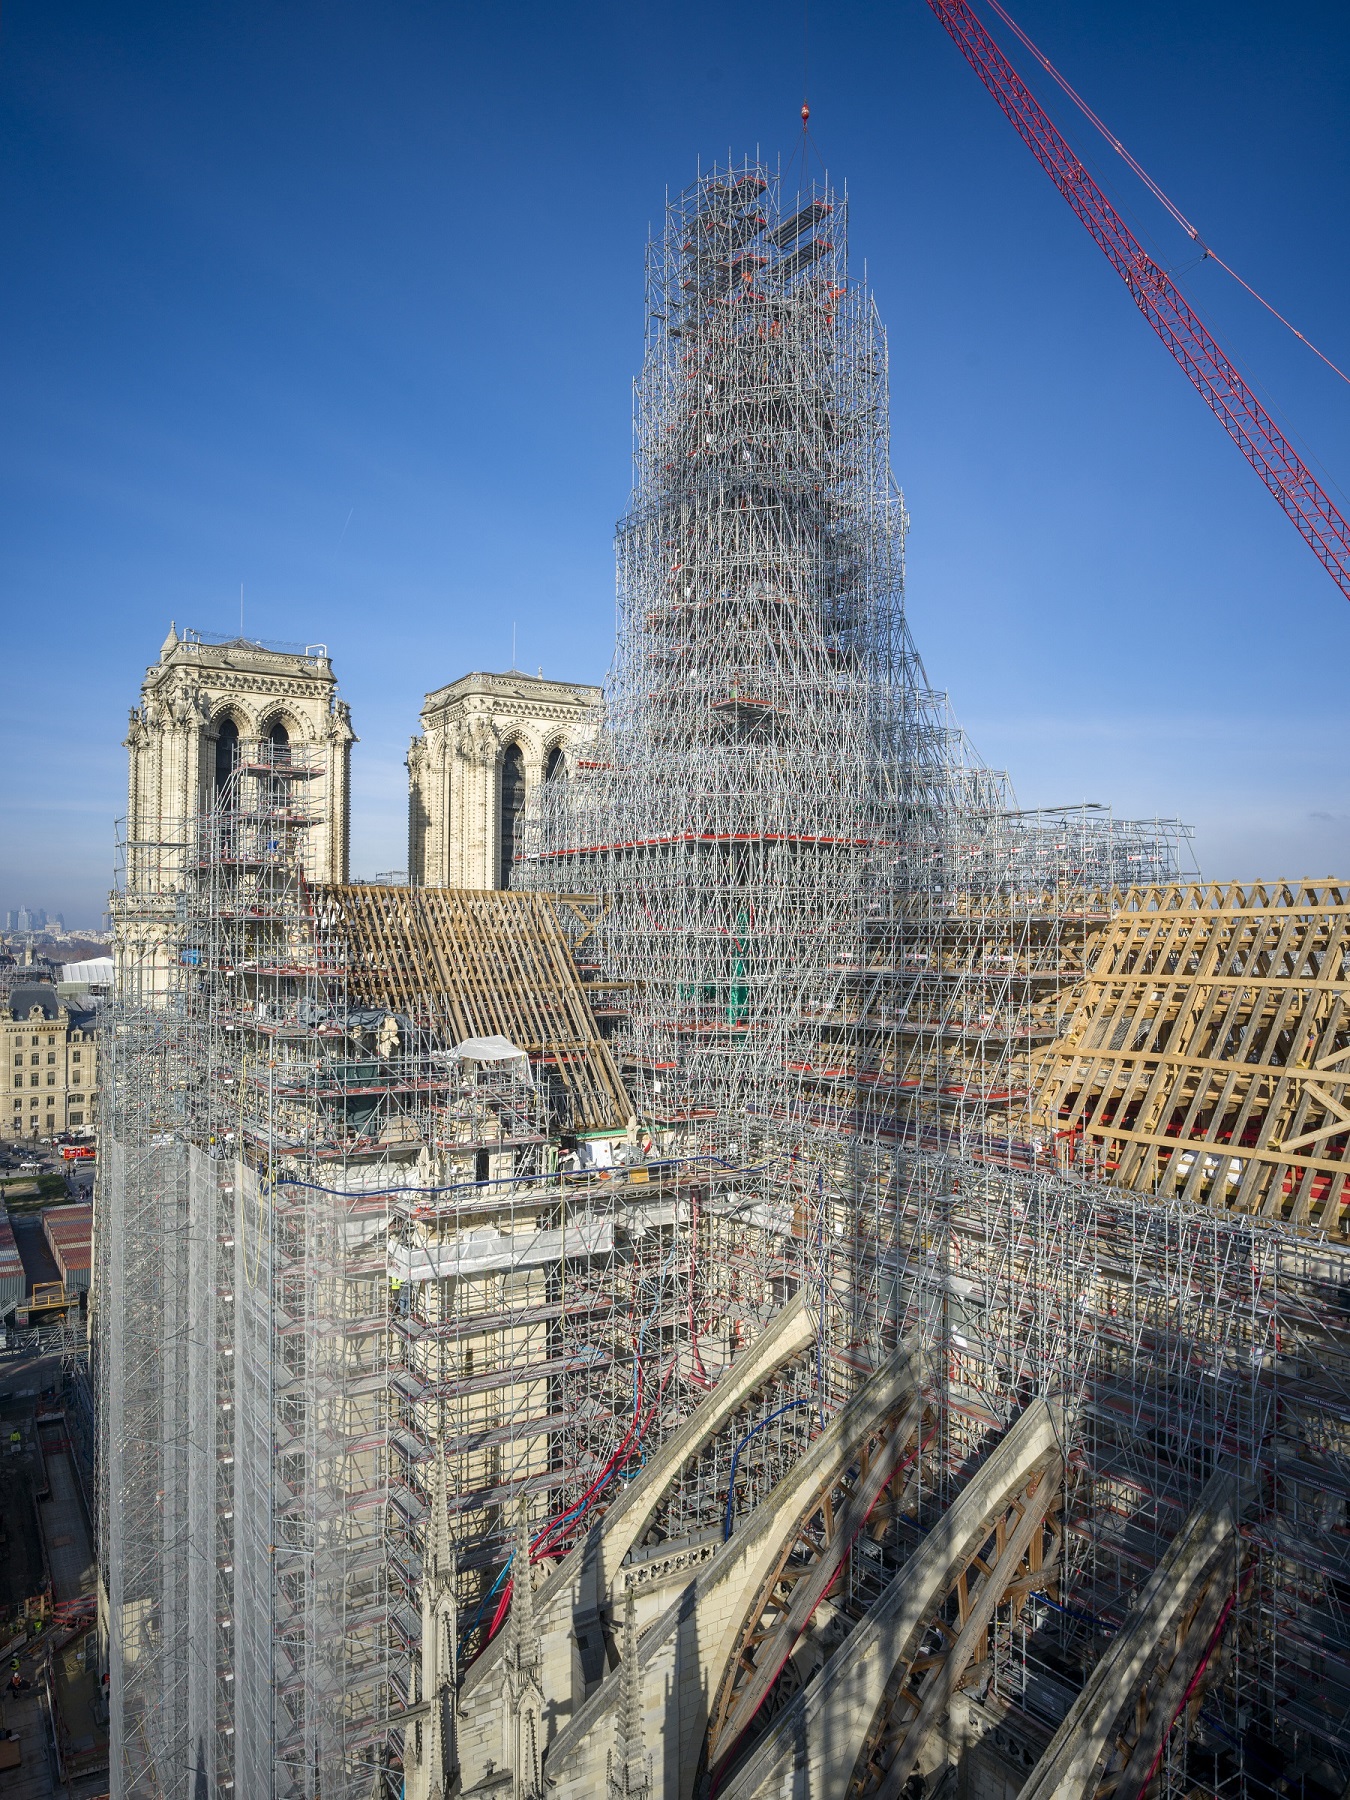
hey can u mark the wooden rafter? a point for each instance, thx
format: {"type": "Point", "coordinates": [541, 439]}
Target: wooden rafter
{"type": "Point", "coordinates": [1018, 1557]}
{"type": "Point", "coordinates": [1207, 1055]}
{"type": "Point", "coordinates": [471, 963]}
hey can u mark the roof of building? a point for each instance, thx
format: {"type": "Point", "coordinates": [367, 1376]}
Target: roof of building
{"type": "Point", "coordinates": [196, 649]}
{"type": "Point", "coordinates": [98, 970]}
{"type": "Point", "coordinates": [479, 963]}
{"type": "Point", "coordinates": [516, 684]}
{"type": "Point", "coordinates": [1208, 1053]}
{"type": "Point", "coordinates": [23, 998]}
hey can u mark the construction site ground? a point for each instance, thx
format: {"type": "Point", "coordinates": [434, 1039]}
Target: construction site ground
{"type": "Point", "coordinates": [45, 1541]}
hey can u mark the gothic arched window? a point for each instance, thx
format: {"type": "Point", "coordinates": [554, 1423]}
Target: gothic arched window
{"type": "Point", "coordinates": [555, 764]}
{"type": "Point", "coordinates": [280, 740]}
{"type": "Point", "coordinates": [227, 750]}
{"type": "Point", "coordinates": [512, 806]}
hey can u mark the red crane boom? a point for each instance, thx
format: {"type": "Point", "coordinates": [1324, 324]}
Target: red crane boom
{"type": "Point", "coordinates": [1210, 372]}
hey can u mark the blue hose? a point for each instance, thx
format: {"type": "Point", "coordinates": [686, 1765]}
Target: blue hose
{"type": "Point", "coordinates": [736, 1456]}
{"type": "Point", "coordinates": [457, 1187]}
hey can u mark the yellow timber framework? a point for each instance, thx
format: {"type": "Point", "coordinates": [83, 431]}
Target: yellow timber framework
{"type": "Point", "coordinates": [1208, 1055]}
{"type": "Point", "coordinates": [469, 964]}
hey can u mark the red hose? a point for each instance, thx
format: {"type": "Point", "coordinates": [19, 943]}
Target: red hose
{"type": "Point", "coordinates": [538, 1547]}
{"type": "Point", "coordinates": [1194, 1682]}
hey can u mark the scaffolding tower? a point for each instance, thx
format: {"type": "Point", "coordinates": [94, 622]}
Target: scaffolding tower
{"type": "Point", "coordinates": [242, 1320]}
{"type": "Point", "coordinates": [837, 952]}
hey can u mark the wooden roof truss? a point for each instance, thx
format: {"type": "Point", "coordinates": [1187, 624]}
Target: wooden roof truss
{"type": "Point", "coordinates": [1209, 1055]}
{"type": "Point", "coordinates": [466, 963]}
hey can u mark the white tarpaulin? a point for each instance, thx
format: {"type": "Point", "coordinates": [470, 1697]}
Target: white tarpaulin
{"type": "Point", "coordinates": [97, 972]}
{"type": "Point", "coordinates": [492, 1049]}
{"type": "Point", "coordinates": [488, 1049]}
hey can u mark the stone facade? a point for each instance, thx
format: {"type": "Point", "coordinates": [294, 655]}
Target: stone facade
{"type": "Point", "coordinates": [486, 741]}
{"type": "Point", "coordinates": [194, 693]}
{"type": "Point", "coordinates": [198, 703]}
{"type": "Point", "coordinates": [48, 1065]}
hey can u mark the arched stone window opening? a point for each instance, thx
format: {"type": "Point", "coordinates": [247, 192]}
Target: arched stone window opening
{"type": "Point", "coordinates": [227, 751]}
{"type": "Point", "coordinates": [556, 764]}
{"type": "Point", "coordinates": [512, 807]}
{"type": "Point", "coordinates": [277, 747]}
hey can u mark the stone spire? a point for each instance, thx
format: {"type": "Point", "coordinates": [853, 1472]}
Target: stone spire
{"type": "Point", "coordinates": [522, 1636]}
{"type": "Point", "coordinates": [439, 1561]}
{"type": "Point", "coordinates": [630, 1767]}
{"type": "Point", "coordinates": [434, 1758]}
{"type": "Point", "coordinates": [520, 1670]}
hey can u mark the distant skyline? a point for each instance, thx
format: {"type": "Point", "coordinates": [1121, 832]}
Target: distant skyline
{"type": "Point", "coordinates": [343, 303]}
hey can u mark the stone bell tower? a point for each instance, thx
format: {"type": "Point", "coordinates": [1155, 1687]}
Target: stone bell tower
{"type": "Point", "coordinates": [486, 742]}
{"type": "Point", "coordinates": [201, 705]}
{"type": "Point", "coordinates": [198, 703]}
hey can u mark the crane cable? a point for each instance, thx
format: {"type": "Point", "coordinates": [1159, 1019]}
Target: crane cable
{"type": "Point", "coordinates": [1173, 211]}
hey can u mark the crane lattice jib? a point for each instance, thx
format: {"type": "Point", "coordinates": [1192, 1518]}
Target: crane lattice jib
{"type": "Point", "coordinates": [1211, 373]}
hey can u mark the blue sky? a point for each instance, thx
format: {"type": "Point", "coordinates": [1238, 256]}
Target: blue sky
{"type": "Point", "coordinates": [343, 302]}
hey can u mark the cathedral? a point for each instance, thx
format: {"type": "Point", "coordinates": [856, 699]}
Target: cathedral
{"type": "Point", "coordinates": [487, 740]}
{"type": "Point", "coordinates": [763, 1269]}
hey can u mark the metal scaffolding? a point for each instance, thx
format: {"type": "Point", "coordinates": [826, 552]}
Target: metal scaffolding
{"type": "Point", "coordinates": [825, 921]}
{"type": "Point", "coordinates": [338, 1236]}
{"type": "Point", "coordinates": [243, 1320]}
{"type": "Point", "coordinates": [837, 954]}
{"type": "Point", "coordinates": [409, 1188]}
